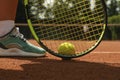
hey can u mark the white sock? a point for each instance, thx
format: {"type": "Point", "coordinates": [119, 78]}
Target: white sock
{"type": "Point", "coordinates": [6, 26]}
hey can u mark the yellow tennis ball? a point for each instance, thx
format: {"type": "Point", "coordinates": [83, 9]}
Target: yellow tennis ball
{"type": "Point", "coordinates": [66, 48]}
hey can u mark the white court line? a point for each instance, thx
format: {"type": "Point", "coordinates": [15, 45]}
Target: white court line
{"type": "Point", "coordinates": [105, 52]}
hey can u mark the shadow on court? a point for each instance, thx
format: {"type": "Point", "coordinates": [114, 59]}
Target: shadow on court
{"type": "Point", "coordinates": [49, 69]}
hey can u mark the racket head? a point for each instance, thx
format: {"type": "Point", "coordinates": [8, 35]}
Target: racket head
{"type": "Point", "coordinates": [80, 22]}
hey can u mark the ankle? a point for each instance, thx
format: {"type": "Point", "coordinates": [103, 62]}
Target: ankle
{"type": "Point", "coordinates": [6, 27]}
{"type": "Point", "coordinates": [5, 35]}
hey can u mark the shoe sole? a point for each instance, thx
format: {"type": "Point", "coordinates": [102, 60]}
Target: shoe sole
{"type": "Point", "coordinates": [18, 53]}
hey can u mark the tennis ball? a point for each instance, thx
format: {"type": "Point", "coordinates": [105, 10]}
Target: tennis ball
{"type": "Point", "coordinates": [66, 48]}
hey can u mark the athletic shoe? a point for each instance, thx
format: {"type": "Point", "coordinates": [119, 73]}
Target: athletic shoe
{"type": "Point", "coordinates": [16, 40]}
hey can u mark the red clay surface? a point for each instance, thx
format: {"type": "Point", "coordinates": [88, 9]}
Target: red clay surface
{"type": "Point", "coordinates": [101, 64]}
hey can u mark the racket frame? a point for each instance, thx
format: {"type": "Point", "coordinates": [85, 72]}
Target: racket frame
{"type": "Point", "coordinates": [66, 57]}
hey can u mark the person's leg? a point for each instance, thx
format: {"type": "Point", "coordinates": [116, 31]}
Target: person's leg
{"type": "Point", "coordinates": [10, 37]}
{"type": "Point", "coordinates": [8, 9]}
{"type": "Point", "coordinates": [7, 15]}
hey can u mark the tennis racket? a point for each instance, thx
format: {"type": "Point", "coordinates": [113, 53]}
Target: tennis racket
{"type": "Point", "coordinates": [80, 22]}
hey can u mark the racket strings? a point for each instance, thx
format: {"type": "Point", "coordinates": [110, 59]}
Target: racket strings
{"type": "Point", "coordinates": [63, 22]}
{"type": "Point", "coordinates": [66, 12]}
{"type": "Point", "coordinates": [61, 31]}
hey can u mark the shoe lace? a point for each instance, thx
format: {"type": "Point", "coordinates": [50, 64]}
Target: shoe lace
{"type": "Point", "coordinates": [16, 33]}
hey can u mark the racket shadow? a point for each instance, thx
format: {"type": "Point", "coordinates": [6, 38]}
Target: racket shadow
{"type": "Point", "coordinates": [51, 69]}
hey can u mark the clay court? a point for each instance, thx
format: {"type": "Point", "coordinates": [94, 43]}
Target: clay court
{"type": "Point", "coordinates": [101, 64]}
